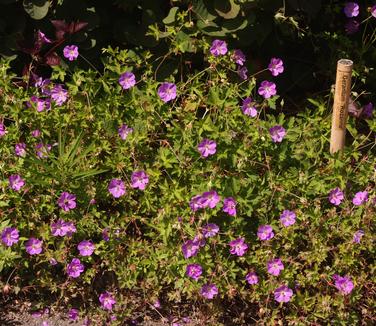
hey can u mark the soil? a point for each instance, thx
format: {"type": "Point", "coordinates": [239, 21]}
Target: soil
{"type": "Point", "coordinates": [19, 314]}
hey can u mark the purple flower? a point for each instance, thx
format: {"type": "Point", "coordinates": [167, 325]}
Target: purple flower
{"type": "Point", "coordinates": [200, 240]}
{"type": "Point", "coordinates": [210, 230]}
{"type": "Point", "coordinates": [167, 92]}
{"type": "Point", "coordinates": [218, 47]}
{"type": "Point", "coordinates": [358, 236]}
{"type": "Point", "coordinates": [196, 203]}
{"type": "Point", "coordinates": [10, 236]}
{"type": "Point", "coordinates": [276, 66]}
{"type": "Point", "coordinates": [37, 80]}
{"type": "Point", "coordinates": [207, 147]}
{"type": "Point", "coordinates": [351, 9]}
{"type": "Point", "coordinates": [352, 26]}
{"type": "Point", "coordinates": [252, 278]}
{"type": "Point", "coordinates": [67, 201]}
{"type": "Point", "coordinates": [238, 247]}
{"type": "Point", "coordinates": [42, 38]}
{"type": "Point", "coordinates": [42, 150]}
{"type": "Point", "coordinates": [209, 291]}
{"type": "Point", "coordinates": [73, 314]}
{"type": "Point", "coordinates": [75, 268]}
{"type": "Point", "coordinates": [36, 133]}
{"type": "Point", "coordinates": [157, 304]}
{"type": "Point", "coordinates": [210, 199]}
{"type": "Point", "coordinates": [59, 94]}
{"type": "Point", "coordinates": [275, 266]}
{"type": "Point", "coordinates": [336, 196]}
{"type": "Point", "coordinates": [249, 107]}
{"type": "Point", "coordinates": [287, 218]}
{"type": "Point", "coordinates": [194, 271]}
{"type": "Point", "coordinates": [360, 198]}
{"type": "Point", "coordinates": [20, 149]}
{"type": "Point", "coordinates": [70, 228]}
{"type": "Point", "coordinates": [139, 180]}
{"type": "Point", "coordinates": [127, 80]}
{"type": "Point", "coordinates": [242, 72]}
{"type": "Point", "coordinates": [373, 11]}
{"type": "Point", "coordinates": [190, 248]}
{"type": "Point", "coordinates": [52, 261]}
{"type": "Point", "coordinates": [267, 89]}
{"type": "Point", "coordinates": [16, 182]}
{"type": "Point", "coordinates": [40, 103]}
{"type": "Point", "coordinates": [33, 246]}
{"type": "Point", "coordinates": [71, 52]}
{"type": "Point", "coordinates": [124, 131]}
{"type": "Point", "coordinates": [3, 130]}
{"type": "Point", "coordinates": [107, 300]}
{"type": "Point", "coordinates": [277, 133]}
{"type": "Point", "coordinates": [239, 57]}
{"type": "Point", "coordinates": [367, 110]}
{"type": "Point", "coordinates": [229, 206]}
{"type": "Point", "coordinates": [343, 284]}
{"type": "Point", "coordinates": [105, 235]}
{"type": "Point", "coordinates": [116, 187]}
{"type": "Point", "coordinates": [58, 228]}
{"type": "Point", "coordinates": [283, 294]}
{"type": "Point", "coordinates": [37, 314]}
{"type": "Point", "coordinates": [43, 84]}
{"type": "Point", "coordinates": [86, 248]}
{"type": "Point", "coordinates": [265, 232]}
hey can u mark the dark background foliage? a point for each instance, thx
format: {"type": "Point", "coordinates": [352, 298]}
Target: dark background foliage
{"type": "Point", "coordinates": [308, 35]}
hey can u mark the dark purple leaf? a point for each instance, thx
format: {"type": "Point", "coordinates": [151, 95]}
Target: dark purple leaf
{"type": "Point", "coordinates": [76, 27]}
{"type": "Point", "coordinates": [61, 27]}
{"type": "Point", "coordinates": [52, 59]}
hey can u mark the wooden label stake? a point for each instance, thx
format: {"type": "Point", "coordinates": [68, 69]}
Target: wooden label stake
{"type": "Point", "coordinates": [340, 106]}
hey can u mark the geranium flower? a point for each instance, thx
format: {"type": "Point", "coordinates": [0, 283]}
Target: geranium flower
{"type": "Point", "coordinates": [276, 66]}
{"type": "Point", "coordinates": [127, 80]}
{"type": "Point", "coordinates": [10, 236]}
{"type": "Point", "coordinates": [67, 201]}
{"type": "Point", "coordinates": [209, 291]}
{"type": "Point", "coordinates": [218, 47]}
{"type": "Point", "coordinates": [116, 187]}
{"type": "Point", "coordinates": [207, 147]}
{"type": "Point", "coordinates": [194, 271]}
{"type": "Point", "coordinates": [75, 268]}
{"type": "Point", "coordinates": [34, 246]}
{"type": "Point", "coordinates": [267, 89]}
{"type": "Point", "coordinates": [107, 300]}
{"type": "Point", "coordinates": [283, 294]}
{"type": "Point", "coordinates": [71, 52]}
{"type": "Point", "coordinates": [167, 92]}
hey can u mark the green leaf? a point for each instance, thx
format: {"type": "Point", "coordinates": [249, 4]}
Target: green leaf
{"type": "Point", "coordinates": [170, 18]}
{"type": "Point", "coordinates": [184, 42]}
{"type": "Point", "coordinates": [89, 173]}
{"type": "Point", "coordinates": [226, 8]}
{"type": "Point", "coordinates": [36, 9]}
{"type": "Point", "coordinates": [202, 11]}
{"type": "Point", "coordinates": [72, 151]}
{"type": "Point", "coordinates": [236, 24]}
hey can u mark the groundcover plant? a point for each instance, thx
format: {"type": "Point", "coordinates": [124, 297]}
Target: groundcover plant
{"type": "Point", "coordinates": [193, 188]}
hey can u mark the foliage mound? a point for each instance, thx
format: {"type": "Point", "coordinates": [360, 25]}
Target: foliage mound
{"type": "Point", "coordinates": [199, 188]}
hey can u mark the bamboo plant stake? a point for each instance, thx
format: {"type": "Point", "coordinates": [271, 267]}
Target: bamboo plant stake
{"type": "Point", "coordinates": [340, 105]}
